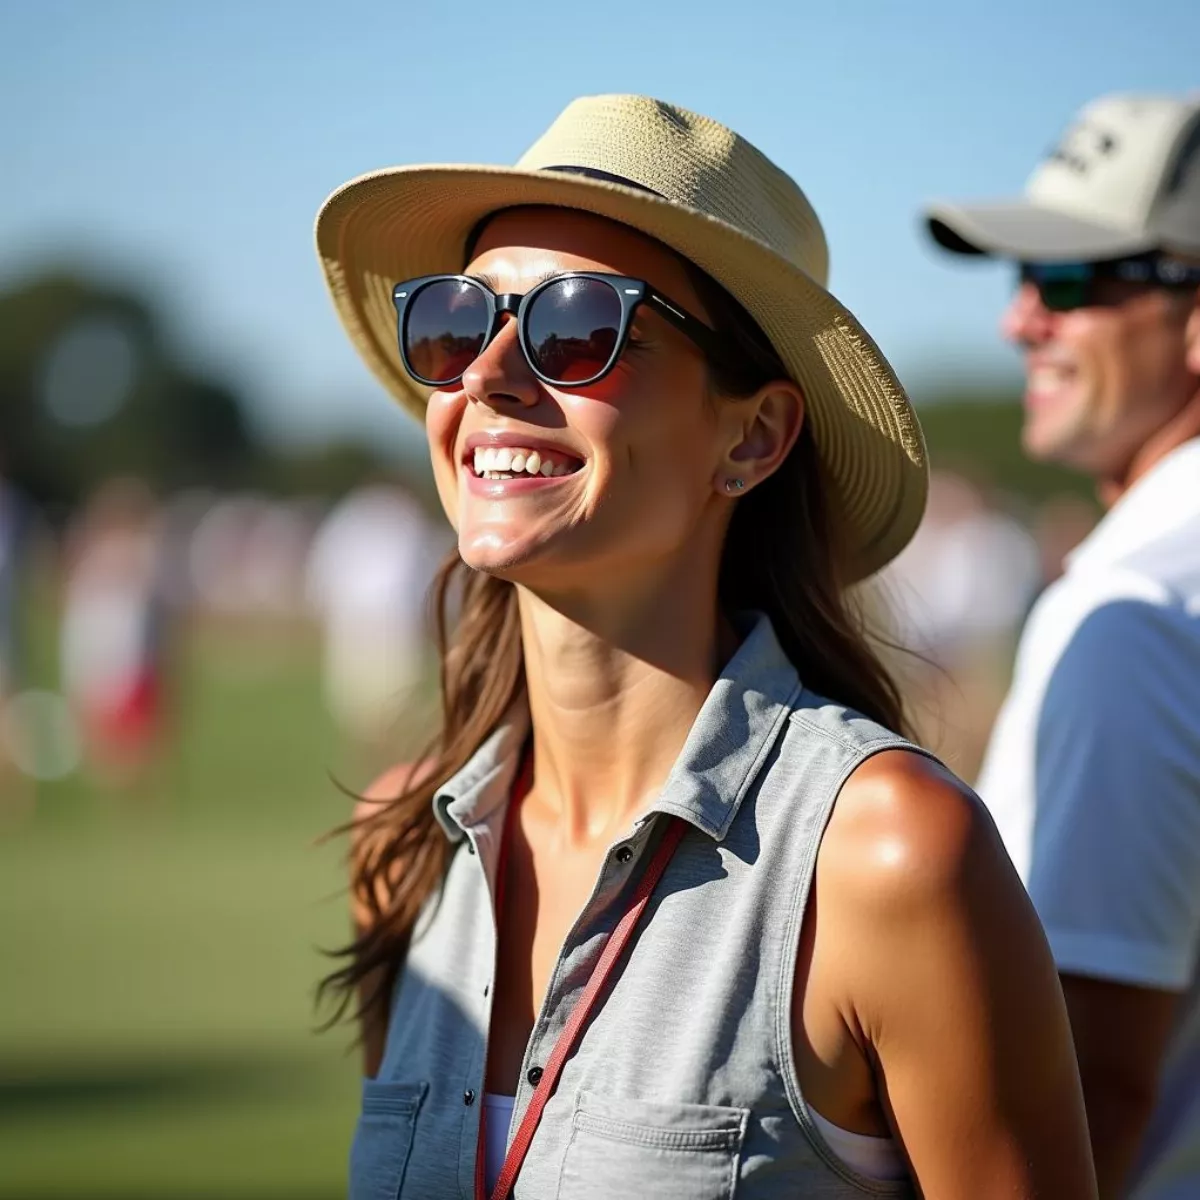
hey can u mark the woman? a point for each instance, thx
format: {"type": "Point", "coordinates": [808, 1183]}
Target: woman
{"type": "Point", "coordinates": [616, 918]}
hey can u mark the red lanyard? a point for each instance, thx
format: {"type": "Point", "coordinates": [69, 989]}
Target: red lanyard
{"type": "Point", "coordinates": [567, 1040]}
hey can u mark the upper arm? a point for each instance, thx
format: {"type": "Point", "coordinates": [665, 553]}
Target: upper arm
{"type": "Point", "coordinates": [1116, 841]}
{"type": "Point", "coordinates": [954, 989]}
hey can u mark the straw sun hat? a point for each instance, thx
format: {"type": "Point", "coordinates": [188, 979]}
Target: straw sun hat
{"type": "Point", "coordinates": [712, 197]}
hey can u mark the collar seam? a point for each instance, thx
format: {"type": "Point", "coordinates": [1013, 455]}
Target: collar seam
{"type": "Point", "coordinates": [785, 709]}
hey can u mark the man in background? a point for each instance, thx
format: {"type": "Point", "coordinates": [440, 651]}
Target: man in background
{"type": "Point", "coordinates": [1093, 770]}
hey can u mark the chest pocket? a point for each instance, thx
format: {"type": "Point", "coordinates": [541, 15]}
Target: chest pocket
{"type": "Point", "coordinates": [624, 1147]}
{"type": "Point", "coordinates": [383, 1138]}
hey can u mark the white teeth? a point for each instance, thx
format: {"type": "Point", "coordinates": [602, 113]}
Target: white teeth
{"type": "Point", "coordinates": [1049, 375]}
{"type": "Point", "coordinates": [502, 462]}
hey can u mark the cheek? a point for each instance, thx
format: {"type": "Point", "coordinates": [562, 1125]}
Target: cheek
{"type": "Point", "coordinates": [443, 416]}
{"type": "Point", "coordinates": [1090, 338]}
{"type": "Point", "coordinates": [1151, 351]}
{"type": "Point", "coordinates": [662, 461]}
{"type": "Point", "coordinates": [1078, 332]}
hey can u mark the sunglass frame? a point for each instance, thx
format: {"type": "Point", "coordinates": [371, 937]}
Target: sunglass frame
{"type": "Point", "coordinates": [1154, 270]}
{"type": "Point", "coordinates": [629, 291]}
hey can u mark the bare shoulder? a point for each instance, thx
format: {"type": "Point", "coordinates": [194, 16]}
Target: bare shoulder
{"type": "Point", "coordinates": [367, 828]}
{"type": "Point", "coordinates": [905, 832]}
{"type": "Point", "coordinates": [934, 955]}
{"type": "Point", "coordinates": [385, 788]}
{"type": "Point", "coordinates": [389, 786]}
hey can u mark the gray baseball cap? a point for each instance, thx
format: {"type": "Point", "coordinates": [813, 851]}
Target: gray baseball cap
{"type": "Point", "coordinates": [1124, 179]}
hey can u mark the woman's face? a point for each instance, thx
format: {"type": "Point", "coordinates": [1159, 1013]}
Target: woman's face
{"type": "Point", "coordinates": [636, 457]}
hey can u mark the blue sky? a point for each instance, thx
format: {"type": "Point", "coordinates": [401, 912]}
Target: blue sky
{"type": "Point", "coordinates": [187, 146]}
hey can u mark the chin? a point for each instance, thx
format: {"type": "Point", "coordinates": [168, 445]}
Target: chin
{"type": "Point", "coordinates": [1052, 436]}
{"type": "Point", "coordinates": [1039, 445]}
{"type": "Point", "coordinates": [493, 554]}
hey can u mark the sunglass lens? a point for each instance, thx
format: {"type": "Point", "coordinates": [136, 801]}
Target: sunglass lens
{"type": "Point", "coordinates": [572, 329]}
{"type": "Point", "coordinates": [444, 330]}
{"type": "Point", "coordinates": [1061, 286]}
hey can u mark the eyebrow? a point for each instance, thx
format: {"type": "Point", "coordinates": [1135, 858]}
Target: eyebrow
{"type": "Point", "coordinates": [493, 284]}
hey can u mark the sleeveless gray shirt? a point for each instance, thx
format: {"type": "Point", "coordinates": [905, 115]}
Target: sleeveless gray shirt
{"type": "Point", "coordinates": [683, 1085]}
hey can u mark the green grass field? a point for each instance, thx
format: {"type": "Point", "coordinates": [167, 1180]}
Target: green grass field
{"type": "Point", "coordinates": [158, 958]}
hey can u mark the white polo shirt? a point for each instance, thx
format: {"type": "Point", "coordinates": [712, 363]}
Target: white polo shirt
{"type": "Point", "coordinates": [1093, 777]}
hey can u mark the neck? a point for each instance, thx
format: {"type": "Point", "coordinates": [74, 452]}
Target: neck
{"type": "Point", "coordinates": [614, 685]}
{"type": "Point", "coordinates": [1184, 426]}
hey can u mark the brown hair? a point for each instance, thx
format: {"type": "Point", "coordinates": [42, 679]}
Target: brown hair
{"type": "Point", "coordinates": [782, 556]}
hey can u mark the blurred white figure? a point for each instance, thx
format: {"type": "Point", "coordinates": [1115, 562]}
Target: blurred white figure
{"type": "Point", "coordinates": [957, 595]}
{"type": "Point", "coordinates": [368, 573]}
{"type": "Point", "coordinates": [113, 630]}
{"type": "Point", "coordinates": [278, 544]}
{"type": "Point", "coordinates": [967, 578]}
{"type": "Point", "coordinates": [220, 554]}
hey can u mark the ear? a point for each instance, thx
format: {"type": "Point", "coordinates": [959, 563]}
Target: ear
{"type": "Point", "coordinates": [763, 431]}
{"type": "Point", "coordinates": [1191, 337]}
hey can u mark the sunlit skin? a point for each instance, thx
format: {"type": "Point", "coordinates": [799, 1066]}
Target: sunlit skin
{"type": "Point", "coordinates": [925, 1005]}
{"type": "Point", "coordinates": [1112, 387]}
{"type": "Point", "coordinates": [655, 447]}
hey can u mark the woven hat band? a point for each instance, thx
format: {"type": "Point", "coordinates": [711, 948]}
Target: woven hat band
{"type": "Point", "coordinates": [605, 177]}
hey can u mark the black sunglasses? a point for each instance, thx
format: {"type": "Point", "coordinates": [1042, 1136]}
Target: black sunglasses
{"type": "Point", "coordinates": [571, 327]}
{"type": "Point", "coordinates": [1067, 286]}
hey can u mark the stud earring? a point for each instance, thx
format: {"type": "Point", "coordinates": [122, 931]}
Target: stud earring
{"type": "Point", "coordinates": [734, 485]}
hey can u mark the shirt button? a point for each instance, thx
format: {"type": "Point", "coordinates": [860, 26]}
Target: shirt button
{"type": "Point", "coordinates": [535, 1073]}
{"type": "Point", "coordinates": [487, 987]}
{"type": "Point", "coordinates": [468, 1097]}
{"type": "Point", "coordinates": [624, 854]}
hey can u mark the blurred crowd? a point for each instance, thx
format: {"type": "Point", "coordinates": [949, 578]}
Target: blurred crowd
{"type": "Point", "coordinates": [956, 598]}
{"type": "Point", "coordinates": [108, 598]}
{"type": "Point", "coordinates": [115, 589]}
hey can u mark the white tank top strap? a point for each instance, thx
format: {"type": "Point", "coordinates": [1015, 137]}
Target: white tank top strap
{"type": "Point", "coordinates": [874, 1157]}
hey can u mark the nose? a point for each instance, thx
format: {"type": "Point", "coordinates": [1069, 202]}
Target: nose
{"type": "Point", "coordinates": [1026, 320]}
{"type": "Point", "coordinates": [500, 377]}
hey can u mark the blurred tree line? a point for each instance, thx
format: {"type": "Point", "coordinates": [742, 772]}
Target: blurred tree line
{"type": "Point", "coordinates": [91, 388]}
{"type": "Point", "coordinates": [973, 426]}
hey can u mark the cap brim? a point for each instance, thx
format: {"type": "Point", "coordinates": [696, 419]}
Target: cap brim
{"type": "Point", "coordinates": [404, 222]}
{"type": "Point", "coordinates": [1021, 230]}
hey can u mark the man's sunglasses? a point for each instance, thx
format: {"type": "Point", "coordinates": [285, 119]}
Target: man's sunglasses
{"type": "Point", "coordinates": [1067, 286]}
{"type": "Point", "coordinates": [572, 327]}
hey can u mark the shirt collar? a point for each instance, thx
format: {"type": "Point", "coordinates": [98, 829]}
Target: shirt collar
{"type": "Point", "coordinates": [724, 752]}
{"type": "Point", "coordinates": [1165, 498]}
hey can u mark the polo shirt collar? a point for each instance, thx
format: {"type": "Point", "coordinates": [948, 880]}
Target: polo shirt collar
{"type": "Point", "coordinates": [1164, 499]}
{"type": "Point", "coordinates": [725, 750]}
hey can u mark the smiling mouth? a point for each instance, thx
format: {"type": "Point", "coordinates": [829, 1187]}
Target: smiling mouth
{"type": "Point", "coordinates": [503, 462]}
{"type": "Point", "coordinates": [1047, 375]}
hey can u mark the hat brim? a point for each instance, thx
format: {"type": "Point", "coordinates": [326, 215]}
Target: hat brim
{"type": "Point", "coordinates": [404, 222]}
{"type": "Point", "coordinates": [1027, 232]}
